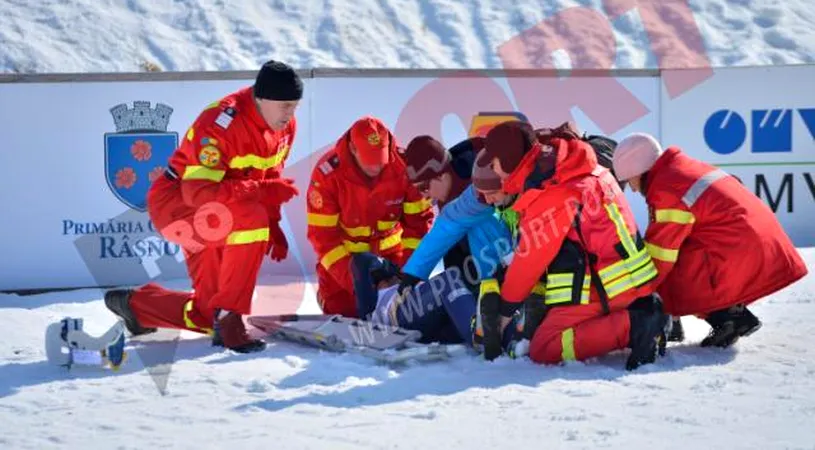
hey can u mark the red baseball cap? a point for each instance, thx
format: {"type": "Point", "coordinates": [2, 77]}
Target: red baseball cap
{"type": "Point", "coordinates": [372, 140]}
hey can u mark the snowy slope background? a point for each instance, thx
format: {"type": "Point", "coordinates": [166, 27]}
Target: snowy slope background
{"type": "Point", "coordinates": [757, 395]}
{"type": "Point", "coordinates": [191, 35]}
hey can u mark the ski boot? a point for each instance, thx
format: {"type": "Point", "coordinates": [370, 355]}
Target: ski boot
{"type": "Point", "coordinates": [729, 325]}
{"type": "Point", "coordinates": [514, 342]}
{"type": "Point", "coordinates": [118, 302]}
{"type": "Point", "coordinates": [230, 332]}
{"type": "Point", "coordinates": [647, 331]}
{"type": "Point", "coordinates": [67, 344]}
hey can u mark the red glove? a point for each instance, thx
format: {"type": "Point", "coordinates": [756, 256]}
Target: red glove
{"type": "Point", "coordinates": [279, 247]}
{"type": "Point", "coordinates": [244, 189]}
{"type": "Point", "coordinates": [277, 191]}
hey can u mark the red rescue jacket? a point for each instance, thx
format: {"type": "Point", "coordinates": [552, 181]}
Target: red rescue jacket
{"type": "Point", "coordinates": [228, 145]}
{"type": "Point", "coordinates": [575, 222]}
{"type": "Point", "coordinates": [714, 242]}
{"type": "Point", "coordinates": [348, 212]}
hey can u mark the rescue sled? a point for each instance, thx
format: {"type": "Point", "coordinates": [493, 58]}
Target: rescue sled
{"type": "Point", "coordinates": [383, 343]}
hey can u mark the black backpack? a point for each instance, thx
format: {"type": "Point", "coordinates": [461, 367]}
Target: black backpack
{"type": "Point", "coordinates": [462, 157]}
{"type": "Point", "coordinates": [603, 146]}
{"type": "Point", "coordinates": [604, 149]}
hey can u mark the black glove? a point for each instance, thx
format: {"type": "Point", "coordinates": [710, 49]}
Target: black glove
{"type": "Point", "coordinates": [407, 284]}
{"type": "Point", "coordinates": [383, 270]}
{"type": "Point", "coordinates": [490, 312]}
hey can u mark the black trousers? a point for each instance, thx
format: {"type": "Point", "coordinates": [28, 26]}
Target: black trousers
{"type": "Point", "coordinates": [460, 256]}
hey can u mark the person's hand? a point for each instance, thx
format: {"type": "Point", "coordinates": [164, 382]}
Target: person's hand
{"type": "Point", "coordinates": [279, 246]}
{"type": "Point", "coordinates": [406, 284]}
{"type": "Point", "coordinates": [384, 284]}
{"type": "Point", "coordinates": [277, 191]}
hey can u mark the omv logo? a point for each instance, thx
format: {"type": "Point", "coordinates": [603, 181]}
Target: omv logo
{"type": "Point", "coordinates": [770, 129]}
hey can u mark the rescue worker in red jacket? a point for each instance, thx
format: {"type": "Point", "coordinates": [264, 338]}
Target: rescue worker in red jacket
{"type": "Point", "coordinates": [718, 247]}
{"type": "Point", "coordinates": [360, 200]}
{"type": "Point", "coordinates": [578, 236]}
{"type": "Point", "coordinates": [220, 201]}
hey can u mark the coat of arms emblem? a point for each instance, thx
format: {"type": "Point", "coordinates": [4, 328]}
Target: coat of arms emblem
{"type": "Point", "coordinates": [138, 152]}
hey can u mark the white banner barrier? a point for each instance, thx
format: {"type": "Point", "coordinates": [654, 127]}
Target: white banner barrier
{"type": "Point", "coordinates": [759, 125]}
{"type": "Point", "coordinates": [74, 188]}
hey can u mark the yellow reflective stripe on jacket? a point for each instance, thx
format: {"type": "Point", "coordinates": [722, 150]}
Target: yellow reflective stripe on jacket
{"type": "Point", "coordinates": [489, 286]}
{"type": "Point", "coordinates": [622, 230]}
{"type": "Point", "coordinates": [635, 272]}
{"type": "Point", "coordinates": [384, 244]}
{"type": "Point", "coordinates": [356, 231]}
{"type": "Point", "coordinates": [248, 236]}
{"type": "Point", "coordinates": [322, 220]}
{"type": "Point", "coordinates": [662, 254]}
{"type": "Point", "coordinates": [202, 173]}
{"type": "Point", "coordinates": [675, 216]}
{"type": "Point", "coordinates": [567, 352]}
{"type": "Point", "coordinates": [631, 280]}
{"type": "Point", "coordinates": [189, 323]}
{"type": "Point", "coordinates": [539, 289]}
{"type": "Point", "coordinates": [411, 243]}
{"type": "Point", "coordinates": [557, 280]}
{"type": "Point", "coordinates": [391, 241]}
{"type": "Point", "coordinates": [617, 278]}
{"type": "Point", "coordinates": [416, 207]}
{"type": "Point", "coordinates": [258, 162]}
{"type": "Point", "coordinates": [631, 264]}
{"type": "Point", "coordinates": [333, 255]}
{"type": "Point", "coordinates": [356, 247]}
{"type": "Point", "coordinates": [564, 295]}
{"type": "Point", "coordinates": [560, 289]}
{"type": "Point", "coordinates": [365, 231]}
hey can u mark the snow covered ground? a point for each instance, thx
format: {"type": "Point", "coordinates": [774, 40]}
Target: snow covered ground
{"type": "Point", "coordinates": [189, 35]}
{"type": "Point", "coordinates": [757, 395]}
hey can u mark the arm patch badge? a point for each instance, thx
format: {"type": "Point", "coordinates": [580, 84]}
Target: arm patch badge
{"type": "Point", "coordinates": [225, 118]}
{"type": "Point", "coordinates": [209, 156]}
{"type": "Point", "coordinates": [326, 168]}
{"type": "Point", "coordinates": [315, 199]}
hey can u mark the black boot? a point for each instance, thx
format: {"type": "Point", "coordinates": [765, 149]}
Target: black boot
{"type": "Point", "coordinates": [534, 312]}
{"type": "Point", "coordinates": [677, 333]}
{"type": "Point", "coordinates": [728, 325]}
{"type": "Point", "coordinates": [647, 332]}
{"type": "Point", "coordinates": [118, 302]}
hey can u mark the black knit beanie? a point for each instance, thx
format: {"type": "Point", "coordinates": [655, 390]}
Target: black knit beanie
{"type": "Point", "coordinates": [278, 81]}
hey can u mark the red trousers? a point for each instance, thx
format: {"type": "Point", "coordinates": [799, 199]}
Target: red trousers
{"type": "Point", "coordinates": [338, 297]}
{"type": "Point", "coordinates": [223, 245]}
{"type": "Point", "coordinates": [334, 297]}
{"type": "Point", "coordinates": [580, 332]}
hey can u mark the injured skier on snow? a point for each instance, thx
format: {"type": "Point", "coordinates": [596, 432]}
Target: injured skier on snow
{"type": "Point", "coordinates": [441, 309]}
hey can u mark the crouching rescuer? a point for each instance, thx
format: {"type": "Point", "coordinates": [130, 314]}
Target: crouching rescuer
{"type": "Point", "coordinates": [578, 247]}
{"type": "Point", "coordinates": [220, 200]}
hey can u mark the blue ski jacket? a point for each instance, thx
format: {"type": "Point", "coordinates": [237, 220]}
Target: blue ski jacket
{"type": "Point", "coordinates": [489, 237]}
